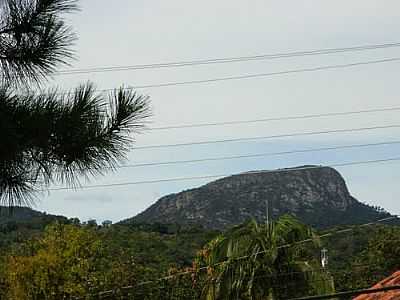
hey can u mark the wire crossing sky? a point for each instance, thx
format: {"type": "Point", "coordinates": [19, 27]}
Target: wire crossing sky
{"type": "Point", "coordinates": [227, 60]}
{"type": "Point", "coordinates": [243, 77]}
{"type": "Point", "coordinates": [284, 118]}
{"type": "Point", "coordinates": [258, 70]}
{"type": "Point", "coordinates": [257, 155]}
{"type": "Point", "coordinates": [277, 136]}
{"type": "Point", "coordinates": [344, 164]}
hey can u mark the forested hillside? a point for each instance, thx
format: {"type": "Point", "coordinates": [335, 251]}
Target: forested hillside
{"type": "Point", "coordinates": [85, 259]}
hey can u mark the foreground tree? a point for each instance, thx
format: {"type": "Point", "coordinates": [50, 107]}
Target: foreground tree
{"type": "Point", "coordinates": [54, 136]}
{"type": "Point", "coordinates": [378, 259]}
{"type": "Point", "coordinates": [255, 261]}
{"type": "Point", "coordinates": [69, 262]}
{"type": "Point", "coordinates": [62, 264]}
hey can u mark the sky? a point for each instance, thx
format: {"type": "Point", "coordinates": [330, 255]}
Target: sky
{"type": "Point", "coordinates": [145, 32]}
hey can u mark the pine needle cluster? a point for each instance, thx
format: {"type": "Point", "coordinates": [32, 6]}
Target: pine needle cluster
{"type": "Point", "coordinates": [54, 136]}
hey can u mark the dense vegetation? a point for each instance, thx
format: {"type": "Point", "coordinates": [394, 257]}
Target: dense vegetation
{"type": "Point", "coordinates": [364, 256]}
{"type": "Point", "coordinates": [262, 261]}
{"type": "Point", "coordinates": [55, 257]}
{"type": "Point", "coordinates": [49, 261]}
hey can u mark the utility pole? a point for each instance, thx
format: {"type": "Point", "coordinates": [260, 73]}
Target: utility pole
{"type": "Point", "coordinates": [324, 258]}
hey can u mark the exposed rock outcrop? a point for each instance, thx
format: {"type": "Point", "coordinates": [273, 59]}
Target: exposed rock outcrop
{"type": "Point", "coordinates": [317, 196]}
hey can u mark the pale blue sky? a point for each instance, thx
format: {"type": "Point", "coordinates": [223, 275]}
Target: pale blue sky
{"type": "Point", "coordinates": [142, 32]}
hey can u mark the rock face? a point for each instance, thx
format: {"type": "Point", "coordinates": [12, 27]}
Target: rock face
{"type": "Point", "coordinates": [316, 196]}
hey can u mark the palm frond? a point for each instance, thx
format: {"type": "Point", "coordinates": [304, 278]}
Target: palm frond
{"type": "Point", "coordinates": [250, 260]}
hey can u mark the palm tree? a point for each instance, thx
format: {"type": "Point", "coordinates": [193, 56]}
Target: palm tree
{"type": "Point", "coordinates": [263, 261]}
{"type": "Point", "coordinates": [54, 136]}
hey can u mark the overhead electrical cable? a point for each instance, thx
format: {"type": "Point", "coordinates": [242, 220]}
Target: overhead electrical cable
{"type": "Point", "coordinates": [205, 268]}
{"type": "Point", "coordinates": [266, 154]}
{"type": "Point", "coordinates": [347, 294]}
{"type": "Point", "coordinates": [260, 75]}
{"type": "Point", "coordinates": [358, 268]}
{"type": "Point", "coordinates": [283, 118]}
{"type": "Point", "coordinates": [240, 77]}
{"type": "Point", "coordinates": [227, 59]}
{"type": "Point", "coordinates": [351, 163]}
{"type": "Point", "coordinates": [242, 139]}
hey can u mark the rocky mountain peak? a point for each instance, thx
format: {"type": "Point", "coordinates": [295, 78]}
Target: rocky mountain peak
{"type": "Point", "coordinates": [316, 195]}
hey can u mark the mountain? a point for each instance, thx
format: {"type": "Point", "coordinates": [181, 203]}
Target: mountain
{"type": "Point", "coordinates": [318, 196]}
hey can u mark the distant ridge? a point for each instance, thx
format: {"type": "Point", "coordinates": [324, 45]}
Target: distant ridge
{"type": "Point", "coordinates": [19, 214]}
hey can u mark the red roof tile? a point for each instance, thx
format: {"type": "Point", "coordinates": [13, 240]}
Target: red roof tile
{"type": "Point", "coordinates": [394, 279]}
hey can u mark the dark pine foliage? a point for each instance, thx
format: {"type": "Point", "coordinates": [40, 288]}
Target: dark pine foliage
{"type": "Point", "coordinates": [34, 39]}
{"type": "Point", "coordinates": [54, 136]}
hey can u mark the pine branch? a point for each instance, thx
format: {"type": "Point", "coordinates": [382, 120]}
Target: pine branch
{"type": "Point", "coordinates": [34, 39]}
{"type": "Point", "coordinates": [52, 137]}
{"type": "Point", "coordinates": [48, 137]}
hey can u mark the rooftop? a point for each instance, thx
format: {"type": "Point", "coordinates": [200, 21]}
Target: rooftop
{"type": "Point", "coordinates": [393, 279]}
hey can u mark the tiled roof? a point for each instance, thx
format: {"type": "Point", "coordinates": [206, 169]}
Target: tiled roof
{"type": "Point", "coordinates": [394, 279]}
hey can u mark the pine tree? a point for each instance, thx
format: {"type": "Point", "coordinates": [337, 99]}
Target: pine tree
{"type": "Point", "coordinates": [54, 136]}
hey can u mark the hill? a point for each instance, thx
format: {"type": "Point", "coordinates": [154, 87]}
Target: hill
{"type": "Point", "coordinates": [19, 215]}
{"type": "Point", "coordinates": [21, 223]}
{"type": "Point", "coordinates": [318, 196]}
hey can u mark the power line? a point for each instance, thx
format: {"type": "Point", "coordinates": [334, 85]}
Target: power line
{"type": "Point", "coordinates": [227, 59]}
{"type": "Point", "coordinates": [341, 231]}
{"type": "Point", "coordinates": [257, 155]}
{"type": "Point", "coordinates": [350, 293]}
{"type": "Point", "coordinates": [329, 234]}
{"type": "Point", "coordinates": [320, 269]}
{"type": "Point", "coordinates": [248, 256]}
{"type": "Point", "coordinates": [240, 77]}
{"type": "Point", "coordinates": [281, 274]}
{"type": "Point", "coordinates": [277, 287]}
{"type": "Point", "coordinates": [270, 74]}
{"type": "Point", "coordinates": [291, 283]}
{"type": "Point", "coordinates": [353, 163]}
{"type": "Point", "coordinates": [242, 139]}
{"type": "Point", "coordinates": [355, 268]}
{"type": "Point", "coordinates": [284, 118]}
